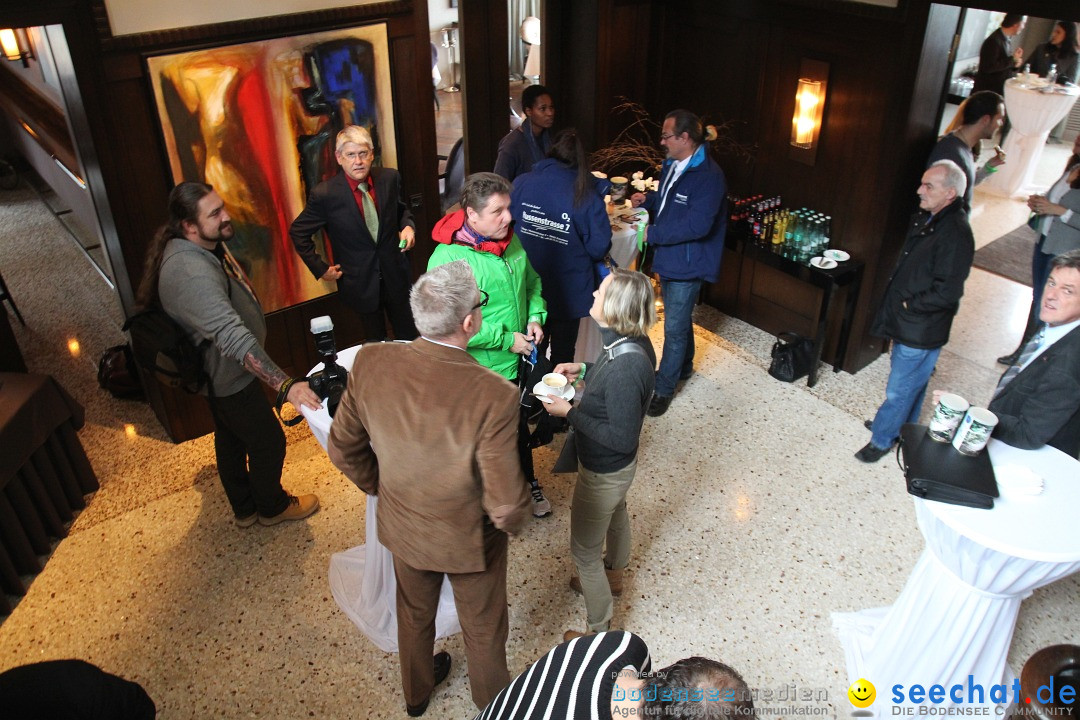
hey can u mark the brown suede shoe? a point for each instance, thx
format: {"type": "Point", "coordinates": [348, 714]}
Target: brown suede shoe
{"type": "Point", "coordinates": [300, 506]}
{"type": "Point", "coordinates": [571, 634]}
{"type": "Point", "coordinates": [614, 579]}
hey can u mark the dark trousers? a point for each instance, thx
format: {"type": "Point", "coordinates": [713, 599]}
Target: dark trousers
{"type": "Point", "coordinates": [561, 337]}
{"type": "Point", "coordinates": [392, 306]}
{"type": "Point", "coordinates": [250, 449]}
{"type": "Point", "coordinates": [481, 604]}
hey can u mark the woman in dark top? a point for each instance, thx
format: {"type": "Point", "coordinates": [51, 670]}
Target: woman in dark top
{"type": "Point", "coordinates": [526, 145]}
{"type": "Point", "coordinates": [606, 425]}
{"type": "Point", "coordinates": [1063, 50]}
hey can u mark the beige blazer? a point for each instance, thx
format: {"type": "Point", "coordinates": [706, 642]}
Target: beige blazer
{"type": "Point", "coordinates": [434, 435]}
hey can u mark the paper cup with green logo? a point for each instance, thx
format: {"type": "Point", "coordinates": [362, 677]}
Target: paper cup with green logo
{"type": "Point", "coordinates": [948, 415]}
{"type": "Point", "coordinates": [974, 431]}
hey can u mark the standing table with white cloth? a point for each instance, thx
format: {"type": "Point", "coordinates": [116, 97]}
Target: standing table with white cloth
{"type": "Point", "coordinates": [362, 578]}
{"type": "Point", "coordinates": [956, 614]}
{"type": "Point", "coordinates": [1033, 114]}
{"type": "Point", "coordinates": [624, 252]}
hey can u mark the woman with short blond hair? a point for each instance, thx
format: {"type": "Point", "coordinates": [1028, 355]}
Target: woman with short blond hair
{"type": "Point", "coordinates": [606, 425]}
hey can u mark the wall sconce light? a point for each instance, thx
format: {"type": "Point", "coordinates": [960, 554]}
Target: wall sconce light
{"type": "Point", "coordinates": [809, 110]}
{"type": "Point", "coordinates": [16, 45]}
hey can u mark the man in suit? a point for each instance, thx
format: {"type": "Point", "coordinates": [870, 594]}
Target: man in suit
{"type": "Point", "coordinates": [1037, 400]}
{"type": "Point", "coordinates": [997, 60]}
{"type": "Point", "coordinates": [447, 476]}
{"type": "Point", "coordinates": [369, 227]}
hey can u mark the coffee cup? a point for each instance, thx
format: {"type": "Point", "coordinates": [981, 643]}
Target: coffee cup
{"type": "Point", "coordinates": [948, 415]}
{"type": "Point", "coordinates": [554, 383]}
{"type": "Point", "coordinates": [618, 189]}
{"type": "Point", "coordinates": [974, 431]}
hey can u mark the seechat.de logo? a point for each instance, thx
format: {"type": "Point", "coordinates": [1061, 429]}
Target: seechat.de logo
{"type": "Point", "coordinates": [862, 693]}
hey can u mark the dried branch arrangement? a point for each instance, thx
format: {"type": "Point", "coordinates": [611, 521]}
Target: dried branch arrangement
{"type": "Point", "coordinates": [637, 146]}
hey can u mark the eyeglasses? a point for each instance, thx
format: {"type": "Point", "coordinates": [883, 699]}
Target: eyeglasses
{"type": "Point", "coordinates": [356, 155]}
{"type": "Point", "coordinates": [483, 302]}
{"type": "Point", "coordinates": [666, 136]}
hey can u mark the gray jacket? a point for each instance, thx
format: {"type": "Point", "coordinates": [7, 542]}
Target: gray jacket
{"type": "Point", "coordinates": [196, 292]}
{"type": "Point", "coordinates": [519, 150]}
{"type": "Point", "coordinates": [609, 417]}
{"type": "Point", "coordinates": [1063, 236]}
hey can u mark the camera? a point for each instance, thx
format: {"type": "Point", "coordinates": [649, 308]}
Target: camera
{"type": "Point", "coordinates": [329, 382]}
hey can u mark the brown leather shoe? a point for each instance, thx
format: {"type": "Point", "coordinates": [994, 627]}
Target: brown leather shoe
{"type": "Point", "coordinates": [571, 634]}
{"type": "Point", "coordinates": [614, 579]}
{"type": "Point", "coordinates": [300, 507]}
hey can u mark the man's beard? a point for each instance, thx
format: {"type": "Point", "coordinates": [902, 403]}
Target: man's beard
{"type": "Point", "coordinates": [222, 237]}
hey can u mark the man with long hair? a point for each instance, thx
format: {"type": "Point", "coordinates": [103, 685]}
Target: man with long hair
{"type": "Point", "coordinates": [193, 277]}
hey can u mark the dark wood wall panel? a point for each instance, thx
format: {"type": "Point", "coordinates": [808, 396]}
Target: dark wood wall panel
{"type": "Point", "coordinates": [754, 52]}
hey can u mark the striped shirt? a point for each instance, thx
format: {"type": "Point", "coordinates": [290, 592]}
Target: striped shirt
{"type": "Point", "coordinates": [573, 681]}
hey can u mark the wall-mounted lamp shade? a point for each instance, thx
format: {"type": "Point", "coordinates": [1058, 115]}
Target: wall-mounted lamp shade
{"type": "Point", "coordinates": [10, 44]}
{"type": "Point", "coordinates": [809, 103]}
{"type": "Point", "coordinates": [15, 45]}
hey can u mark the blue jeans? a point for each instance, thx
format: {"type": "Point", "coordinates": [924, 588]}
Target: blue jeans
{"type": "Point", "coordinates": [678, 358]}
{"type": "Point", "coordinates": [908, 377]}
{"type": "Point", "coordinates": [1040, 272]}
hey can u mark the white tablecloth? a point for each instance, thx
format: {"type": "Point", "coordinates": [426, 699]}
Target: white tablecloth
{"type": "Point", "coordinates": [1033, 115]}
{"type": "Point", "coordinates": [624, 252]}
{"type": "Point", "coordinates": [956, 614]}
{"type": "Point", "coordinates": [362, 578]}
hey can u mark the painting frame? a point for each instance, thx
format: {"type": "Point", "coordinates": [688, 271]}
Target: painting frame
{"type": "Point", "coordinates": [258, 120]}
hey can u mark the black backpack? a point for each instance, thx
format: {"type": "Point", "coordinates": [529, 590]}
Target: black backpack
{"type": "Point", "coordinates": [163, 349]}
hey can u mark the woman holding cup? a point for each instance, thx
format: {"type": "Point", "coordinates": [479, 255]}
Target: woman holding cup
{"type": "Point", "coordinates": [605, 427]}
{"type": "Point", "coordinates": [1057, 220]}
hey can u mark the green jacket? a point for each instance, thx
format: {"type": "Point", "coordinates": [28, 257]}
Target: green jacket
{"type": "Point", "coordinates": [514, 300]}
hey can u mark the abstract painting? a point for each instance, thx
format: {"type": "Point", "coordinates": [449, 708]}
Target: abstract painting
{"type": "Point", "coordinates": [258, 121]}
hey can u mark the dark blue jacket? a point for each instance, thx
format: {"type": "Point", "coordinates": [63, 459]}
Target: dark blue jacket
{"type": "Point", "coordinates": [687, 238]}
{"type": "Point", "coordinates": [519, 150]}
{"type": "Point", "coordinates": [561, 241]}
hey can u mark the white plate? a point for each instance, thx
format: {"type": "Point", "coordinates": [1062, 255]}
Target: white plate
{"type": "Point", "coordinates": [823, 263]}
{"type": "Point", "coordinates": [541, 389]}
{"type": "Point", "coordinates": [837, 255]}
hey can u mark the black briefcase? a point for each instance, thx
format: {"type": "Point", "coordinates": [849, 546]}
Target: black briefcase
{"type": "Point", "coordinates": [938, 471]}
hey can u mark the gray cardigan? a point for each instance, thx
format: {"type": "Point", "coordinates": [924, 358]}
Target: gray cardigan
{"type": "Point", "coordinates": [607, 421]}
{"type": "Point", "coordinates": [1063, 236]}
{"type": "Point", "coordinates": [195, 291]}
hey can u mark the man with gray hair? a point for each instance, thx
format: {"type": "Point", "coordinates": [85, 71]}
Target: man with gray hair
{"type": "Point", "coordinates": [920, 301]}
{"type": "Point", "coordinates": [368, 228]}
{"type": "Point", "coordinates": [447, 476]}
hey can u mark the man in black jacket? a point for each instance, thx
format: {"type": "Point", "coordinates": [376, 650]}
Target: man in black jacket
{"type": "Point", "coordinates": [921, 299]}
{"type": "Point", "coordinates": [998, 60]}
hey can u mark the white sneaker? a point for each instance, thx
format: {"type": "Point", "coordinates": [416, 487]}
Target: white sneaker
{"type": "Point", "coordinates": [541, 506]}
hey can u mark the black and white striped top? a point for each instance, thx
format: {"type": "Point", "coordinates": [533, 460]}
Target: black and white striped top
{"type": "Point", "coordinates": [573, 681]}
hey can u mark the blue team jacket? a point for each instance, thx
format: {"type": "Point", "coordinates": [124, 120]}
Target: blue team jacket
{"type": "Point", "coordinates": [562, 241]}
{"type": "Point", "coordinates": [687, 238]}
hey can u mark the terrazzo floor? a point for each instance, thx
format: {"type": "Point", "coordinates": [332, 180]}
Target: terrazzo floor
{"type": "Point", "coordinates": [752, 523]}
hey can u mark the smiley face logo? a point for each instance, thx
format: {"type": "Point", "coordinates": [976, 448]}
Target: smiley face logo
{"type": "Point", "coordinates": [862, 693]}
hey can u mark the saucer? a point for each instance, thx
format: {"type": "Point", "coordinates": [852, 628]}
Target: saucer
{"type": "Point", "coordinates": [567, 392]}
{"type": "Point", "coordinates": [836, 255]}
{"type": "Point", "coordinates": [823, 263]}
